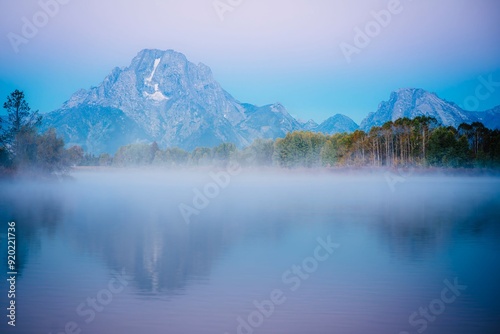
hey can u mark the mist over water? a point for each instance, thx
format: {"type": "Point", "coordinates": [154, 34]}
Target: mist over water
{"type": "Point", "coordinates": [204, 270]}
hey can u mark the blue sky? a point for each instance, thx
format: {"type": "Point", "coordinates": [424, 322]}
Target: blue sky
{"type": "Point", "coordinates": [316, 57]}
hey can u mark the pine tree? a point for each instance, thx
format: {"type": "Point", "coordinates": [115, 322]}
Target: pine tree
{"type": "Point", "coordinates": [20, 116]}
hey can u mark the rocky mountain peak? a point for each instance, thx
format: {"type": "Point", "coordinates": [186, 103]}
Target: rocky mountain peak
{"type": "Point", "coordinates": [170, 100]}
{"type": "Point", "coordinates": [162, 96]}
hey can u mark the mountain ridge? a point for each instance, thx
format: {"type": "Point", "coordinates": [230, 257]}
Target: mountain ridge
{"type": "Point", "coordinates": [413, 102]}
{"type": "Point", "coordinates": [161, 96]}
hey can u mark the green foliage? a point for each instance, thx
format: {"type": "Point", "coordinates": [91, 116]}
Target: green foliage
{"type": "Point", "coordinates": [4, 158]}
{"type": "Point", "coordinates": [446, 150]}
{"type": "Point", "coordinates": [24, 148]}
{"type": "Point", "coordinates": [404, 142]}
{"type": "Point", "coordinates": [201, 156]}
{"type": "Point", "coordinates": [50, 152]}
{"type": "Point", "coordinates": [138, 154]}
{"type": "Point", "coordinates": [260, 153]}
{"type": "Point", "coordinates": [299, 149]}
{"type": "Point", "coordinates": [328, 154]}
{"type": "Point", "coordinates": [89, 160]}
{"type": "Point", "coordinates": [21, 147]}
{"type": "Point", "coordinates": [43, 153]}
{"type": "Point", "coordinates": [224, 152]}
{"type": "Point", "coordinates": [19, 117]}
{"type": "Point", "coordinates": [171, 157]}
{"type": "Point", "coordinates": [105, 159]}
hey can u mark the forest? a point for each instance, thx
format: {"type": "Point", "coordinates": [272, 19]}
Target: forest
{"type": "Point", "coordinates": [418, 142]}
{"type": "Point", "coordinates": [22, 148]}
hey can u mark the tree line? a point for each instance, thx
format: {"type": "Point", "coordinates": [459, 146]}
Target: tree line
{"type": "Point", "coordinates": [405, 142]}
{"type": "Point", "coordinates": [23, 148]}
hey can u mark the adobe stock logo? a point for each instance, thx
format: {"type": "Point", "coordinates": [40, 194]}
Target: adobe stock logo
{"type": "Point", "coordinates": [486, 87]}
{"type": "Point", "coordinates": [88, 309]}
{"type": "Point", "coordinates": [221, 7]}
{"type": "Point", "coordinates": [292, 279]}
{"type": "Point", "coordinates": [211, 190]}
{"type": "Point", "coordinates": [31, 27]}
{"type": "Point", "coordinates": [436, 307]}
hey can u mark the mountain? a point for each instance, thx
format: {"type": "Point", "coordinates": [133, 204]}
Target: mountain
{"type": "Point", "coordinates": [412, 102]}
{"type": "Point", "coordinates": [310, 125]}
{"type": "Point", "coordinates": [490, 118]}
{"type": "Point", "coordinates": [337, 124]}
{"type": "Point", "coordinates": [95, 127]}
{"type": "Point", "coordinates": [163, 97]}
{"type": "Point", "coordinates": [270, 121]}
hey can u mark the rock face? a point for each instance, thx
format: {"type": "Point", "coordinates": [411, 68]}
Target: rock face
{"type": "Point", "coordinates": [490, 118]}
{"type": "Point", "coordinates": [98, 129]}
{"type": "Point", "coordinates": [337, 124]}
{"type": "Point", "coordinates": [310, 125]}
{"type": "Point", "coordinates": [163, 97]}
{"type": "Point", "coordinates": [270, 121]}
{"type": "Point", "coordinates": [417, 102]}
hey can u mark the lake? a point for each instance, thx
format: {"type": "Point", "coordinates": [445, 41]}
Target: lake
{"type": "Point", "coordinates": [117, 251]}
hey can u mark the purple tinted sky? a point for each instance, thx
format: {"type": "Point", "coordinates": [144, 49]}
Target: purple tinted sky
{"type": "Point", "coordinates": [264, 51]}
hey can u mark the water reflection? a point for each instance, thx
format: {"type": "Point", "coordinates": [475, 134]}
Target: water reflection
{"type": "Point", "coordinates": [137, 226]}
{"type": "Point", "coordinates": [119, 222]}
{"type": "Point", "coordinates": [35, 209]}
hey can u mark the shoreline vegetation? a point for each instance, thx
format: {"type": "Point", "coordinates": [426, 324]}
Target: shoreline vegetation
{"type": "Point", "coordinates": [417, 145]}
{"type": "Point", "coordinates": [393, 173]}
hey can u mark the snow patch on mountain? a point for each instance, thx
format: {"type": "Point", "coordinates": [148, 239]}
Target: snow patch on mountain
{"type": "Point", "coordinates": [169, 100]}
{"type": "Point", "coordinates": [157, 95]}
{"type": "Point", "coordinates": [155, 65]}
{"type": "Point", "coordinates": [163, 97]}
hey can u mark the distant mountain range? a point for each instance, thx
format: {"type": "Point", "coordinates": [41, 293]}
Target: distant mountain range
{"type": "Point", "coordinates": [413, 102]}
{"type": "Point", "coordinates": [163, 97]}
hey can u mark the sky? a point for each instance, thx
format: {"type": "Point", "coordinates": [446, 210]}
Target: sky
{"type": "Point", "coordinates": [316, 57]}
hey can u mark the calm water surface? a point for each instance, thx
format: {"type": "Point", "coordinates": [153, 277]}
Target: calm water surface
{"type": "Point", "coordinates": [110, 252]}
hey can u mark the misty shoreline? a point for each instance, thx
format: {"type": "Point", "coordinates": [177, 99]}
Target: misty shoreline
{"type": "Point", "coordinates": [305, 170]}
{"type": "Point", "coordinates": [388, 172]}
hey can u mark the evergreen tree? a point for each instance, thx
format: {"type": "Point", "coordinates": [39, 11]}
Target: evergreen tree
{"type": "Point", "coordinates": [20, 117]}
